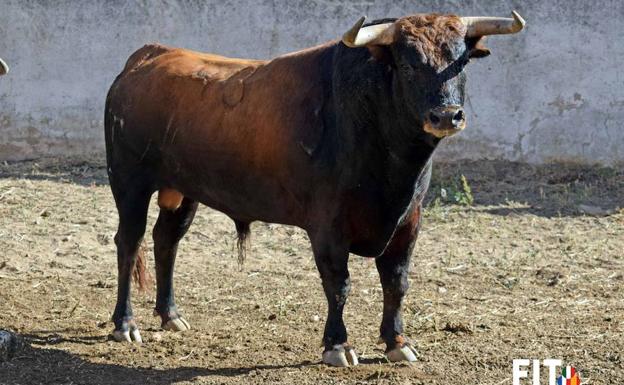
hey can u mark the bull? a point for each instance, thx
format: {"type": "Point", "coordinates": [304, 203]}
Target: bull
{"type": "Point", "coordinates": [336, 139]}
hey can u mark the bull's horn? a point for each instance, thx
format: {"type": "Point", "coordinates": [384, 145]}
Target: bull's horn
{"type": "Point", "coordinates": [482, 26]}
{"type": "Point", "coordinates": [378, 34]}
{"type": "Point", "coordinates": [4, 68]}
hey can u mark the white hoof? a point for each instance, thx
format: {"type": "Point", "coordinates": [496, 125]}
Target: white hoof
{"type": "Point", "coordinates": [340, 356]}
{"type": "Point", "coordinates": [136, 336]}
{"type": "Point", "coordinates": [404, 353]}
{"type": "Point", "coordinates": [352, 357]}
{"type": "Point", "coordinates": [177, 325]}
{"type": "Point", "coordinates": [127, 336]}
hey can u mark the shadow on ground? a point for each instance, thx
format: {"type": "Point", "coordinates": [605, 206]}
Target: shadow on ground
{"type": "Point", "coordinates": [41, 364]}
{"type": "Point", "coordinates": [498, 187]}
{"type": "Point", "coordinates": [82, 171]}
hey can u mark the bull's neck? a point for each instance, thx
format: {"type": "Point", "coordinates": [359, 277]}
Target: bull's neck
{"type": "Point", "coordinates": [382, 139]}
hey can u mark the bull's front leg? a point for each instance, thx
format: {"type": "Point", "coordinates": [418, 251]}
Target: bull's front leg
{"type": "Point", "coordinates": [393, 267]}
{"type": "Point", "coordinates": [331, 261]}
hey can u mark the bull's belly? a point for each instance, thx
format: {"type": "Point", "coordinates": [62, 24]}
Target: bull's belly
{"type": "Point", "coordinates": [243, 197]}
{"type": "Point", "coordinates": [256, 199]}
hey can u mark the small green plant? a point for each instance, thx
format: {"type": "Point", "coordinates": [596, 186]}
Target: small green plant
{"type": "Point", "coordinates": [465, 197]}
{"type": "Point", "coordinates": [458, 192]}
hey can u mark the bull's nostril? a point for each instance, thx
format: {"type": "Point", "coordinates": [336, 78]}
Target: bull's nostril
{"type": "Point", "coordinates": [459, 117]}
{"type": "Point", "coordinates": [434, 119]}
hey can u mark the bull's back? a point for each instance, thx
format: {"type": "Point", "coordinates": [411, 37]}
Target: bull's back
{"type": "Point", "coordinates": [162, 79]}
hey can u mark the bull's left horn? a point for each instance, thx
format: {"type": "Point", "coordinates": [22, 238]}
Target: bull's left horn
{"type": "Point", "coordinates": [4, 68]}
{"type": "Point", "coordinates": [377, 34]}
{"type": "Point", "coordinates": [482, 26]}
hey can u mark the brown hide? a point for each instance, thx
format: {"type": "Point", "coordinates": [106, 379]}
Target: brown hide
{"type": "Point", "coordinates": [230, 133]}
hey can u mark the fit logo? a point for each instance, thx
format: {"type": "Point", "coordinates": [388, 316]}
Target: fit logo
{"type": "Point", "coordinates": [569, 375]}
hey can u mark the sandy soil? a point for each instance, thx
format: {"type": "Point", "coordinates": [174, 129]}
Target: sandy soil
{"type": "Point", "coordinates": [524, 272]}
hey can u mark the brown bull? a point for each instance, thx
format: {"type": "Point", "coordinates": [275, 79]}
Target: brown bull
{"type": "Point", "coordinates": [336, 139]}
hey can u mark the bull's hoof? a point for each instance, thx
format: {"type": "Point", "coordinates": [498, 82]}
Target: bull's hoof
{"type": "Point", "coordinates": [402, 353]}
{"type": "Point", "coordinates": [128, 332]}
{"type": "Point", "coordinates": [340, 356]}
{"type": "Point", "coordinates": [172, 320]}
{"type": "Point", "coordinates": [177, 325]}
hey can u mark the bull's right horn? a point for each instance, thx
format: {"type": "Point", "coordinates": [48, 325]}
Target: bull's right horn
{"type": "Point", "coordinates": [377, 34]}
{"type": "Point", "coordinates": [4, 68]}
{"type": "Point", "coordinates": [482, 25]}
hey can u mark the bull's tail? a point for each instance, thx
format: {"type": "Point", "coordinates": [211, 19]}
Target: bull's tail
{"type": "Point", "coordinates": [139, 273]}
{"type": "Point", "coordinates": [242, 244]}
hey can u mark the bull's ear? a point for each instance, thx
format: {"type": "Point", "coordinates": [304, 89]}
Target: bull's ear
{"type": "Point", "coordinates": [476, 47]}
{"type": "Point", "coordinates": [382, 54]}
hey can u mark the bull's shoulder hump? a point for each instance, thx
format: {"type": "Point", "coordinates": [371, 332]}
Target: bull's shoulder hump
{"type": "Point", "coordinates": [145, 53]}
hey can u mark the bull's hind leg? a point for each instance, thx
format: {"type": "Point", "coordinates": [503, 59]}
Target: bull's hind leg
{"type": "Point", "coordinates": [173, 221]}
{"type": "Point", "coordinates": [393, 266]}
{"type": "Point", "coordinates": [132, 203]}
{"type": "Point", "coordinates": [331, 261]}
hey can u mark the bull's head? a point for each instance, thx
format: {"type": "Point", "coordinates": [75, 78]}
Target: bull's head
{"type": "Point", "coordinates": [4, 68]}
{"type": "Point", "coordinates": [428, 54]}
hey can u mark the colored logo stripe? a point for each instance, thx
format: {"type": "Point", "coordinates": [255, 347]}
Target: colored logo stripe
{"type": "Point", "coordinates": [569, 376]}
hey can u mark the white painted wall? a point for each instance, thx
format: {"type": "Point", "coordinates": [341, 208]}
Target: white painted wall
{"type": "Point", "coordinates": [556, 91]}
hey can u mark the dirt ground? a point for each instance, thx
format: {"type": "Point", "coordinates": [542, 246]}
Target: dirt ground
{"type": "Point", "coordinates": [534, 268]}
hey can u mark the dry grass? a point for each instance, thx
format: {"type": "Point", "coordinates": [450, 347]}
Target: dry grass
{"type": "Point", "coordinates": [521, 274]}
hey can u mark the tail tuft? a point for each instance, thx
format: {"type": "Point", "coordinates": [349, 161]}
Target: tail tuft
{"type": "Point", "coordinates": [139, 273]}
{"type": "Point", "coordinates": [242, 244]}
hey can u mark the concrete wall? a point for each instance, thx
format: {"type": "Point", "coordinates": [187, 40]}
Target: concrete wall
{"type": "Point", "coordinates": [555, 91]}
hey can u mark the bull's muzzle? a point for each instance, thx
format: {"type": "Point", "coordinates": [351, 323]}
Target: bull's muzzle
{"type": "Point", "coordinates": [445, 121]}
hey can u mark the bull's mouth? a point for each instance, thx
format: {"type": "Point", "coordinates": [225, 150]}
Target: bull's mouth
{"type": "Point", "coordinates": [443, 132]}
